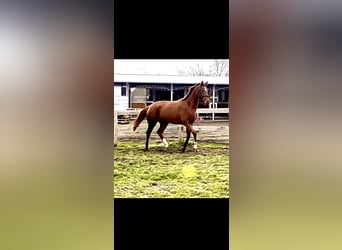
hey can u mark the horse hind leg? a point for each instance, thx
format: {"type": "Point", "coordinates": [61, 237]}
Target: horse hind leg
{"type": "Point", "coordinates": [151, 125]}
{"type": "Point", "coordinates": [160, 132]}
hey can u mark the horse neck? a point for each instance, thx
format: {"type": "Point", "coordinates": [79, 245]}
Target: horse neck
{"type": "Point", "coordinates": [192, 100]}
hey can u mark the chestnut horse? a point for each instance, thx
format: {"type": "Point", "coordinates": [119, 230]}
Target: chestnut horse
{"type": "Point", "coordinates": [182, 111]}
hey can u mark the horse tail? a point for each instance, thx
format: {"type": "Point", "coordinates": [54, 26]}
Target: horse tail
{"type": "Point", "coordinates": [140, 118]}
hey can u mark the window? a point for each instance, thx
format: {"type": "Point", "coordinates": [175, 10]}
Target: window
{"type": "Point", "coordinates": [123, 91]}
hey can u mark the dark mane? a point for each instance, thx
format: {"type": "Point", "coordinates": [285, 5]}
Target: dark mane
{"type": "Point", "coordinates": [191, 89]}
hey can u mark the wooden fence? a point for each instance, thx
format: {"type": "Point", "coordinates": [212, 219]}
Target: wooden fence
{"type": "Point", "coordinates": [116, 128]}
{"type": "Point", "coordinates": [212, 112]}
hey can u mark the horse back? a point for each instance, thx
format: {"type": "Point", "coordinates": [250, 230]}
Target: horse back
{"type": "Point", "coordinates": [171, 111]}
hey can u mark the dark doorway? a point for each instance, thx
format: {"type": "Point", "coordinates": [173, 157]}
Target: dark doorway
{"type": "Point", "coordinates": [178, 94]}
{"type": "Point", "coordinates": [163, 95]}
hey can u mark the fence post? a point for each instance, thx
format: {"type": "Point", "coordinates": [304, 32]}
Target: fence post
{"type": "Point", "coordinates": [180, 128]}
{"type": "Point", "coordinates": [116, 129]}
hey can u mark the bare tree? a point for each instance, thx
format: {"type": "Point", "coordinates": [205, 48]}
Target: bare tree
{"type": "Point", "coordinates": [218, 68]}
{"type": "Point", "coordinates": [196, 70]}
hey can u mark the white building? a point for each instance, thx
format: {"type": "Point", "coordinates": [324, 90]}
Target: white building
{"type": "Point", "coordinates": [139, 90]}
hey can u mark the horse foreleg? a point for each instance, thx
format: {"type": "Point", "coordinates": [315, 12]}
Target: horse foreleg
{"type": "Point", "coordinates": [188, 132]}
{"type": "Point", "coordinates": [195, 140]}
{"type": "Point", "coordinates": [194, 133]}
{"type": "Point", "coordinates": [160, 132]}
{"type": "Point", "coordinates": [195, 146]}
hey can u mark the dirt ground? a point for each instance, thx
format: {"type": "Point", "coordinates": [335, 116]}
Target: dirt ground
{"type": "Point", "coordinates": [210, 131]}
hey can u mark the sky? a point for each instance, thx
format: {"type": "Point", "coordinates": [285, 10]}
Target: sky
{"type": "Point", "coordinates": [167, 67]}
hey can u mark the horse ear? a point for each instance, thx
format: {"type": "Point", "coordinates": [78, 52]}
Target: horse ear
{"type": "Point", "coordinates": [202, 83]}
{"type": "Point", "coordinates": [206, 84]}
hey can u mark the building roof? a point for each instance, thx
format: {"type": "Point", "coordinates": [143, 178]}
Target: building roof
{"type": "Point", "coordinates": [143, 78]}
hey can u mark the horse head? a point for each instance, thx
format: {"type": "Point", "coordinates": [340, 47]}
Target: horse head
{"type": "Point", "coordinates": [203, 93]}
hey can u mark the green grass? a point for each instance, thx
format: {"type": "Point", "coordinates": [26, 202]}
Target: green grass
{"type": "Point", "coordinates": [160, 174]}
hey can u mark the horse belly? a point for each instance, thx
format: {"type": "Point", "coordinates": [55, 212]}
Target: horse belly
{"type": "Point", "coordinates": [171, 117]}
{"type": "Point", "coordinates": [176, 115]}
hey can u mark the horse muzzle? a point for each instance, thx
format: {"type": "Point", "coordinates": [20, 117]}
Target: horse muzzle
{"type": "Point", "coordinates": [206, 101]}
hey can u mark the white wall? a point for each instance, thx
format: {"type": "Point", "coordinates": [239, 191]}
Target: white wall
{"type": "Point", "coordinates": [120, 102]}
